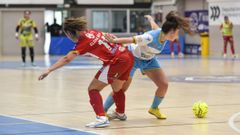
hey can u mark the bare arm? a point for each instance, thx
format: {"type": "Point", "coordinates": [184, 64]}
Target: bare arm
{"type": "Point", "coordinates": [126, 40]}
{"type": "Point", "coordinates": [141, 40]}
{"type": "Point", "coordinates": [153, 24]}
{"type": "Point", "coordinates": [231, 25]}
{"type": "Point", "coordinates": [17, 29]}
{"type": "Point", "coordinates": [221, 26]}
{"type": "Point", "coordinates": [61, 62]}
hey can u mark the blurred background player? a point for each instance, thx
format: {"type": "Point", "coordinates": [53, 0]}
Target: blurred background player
{"type": "Point", "coordinates": [176, 42]}
{"type": "Point", "coordinates": [144, 48]}
{"type": "Point", "coordinates": [55, 29]}
{"type": "Point", "coordinates": [117, 64]}
{"type": "Point", "coordinates": [226, 28]}
{"type": "Point", "coordinates": [24, 33]}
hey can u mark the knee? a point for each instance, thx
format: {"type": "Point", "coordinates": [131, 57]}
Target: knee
{"type": "Point", "coordinates": [93, 88]}
{"type": "Point", "coordinates": [124, 89]}
{"type": "Point", "coordinates": [163, 85]}
{"type": "Point", "coordinates": [90, 88]}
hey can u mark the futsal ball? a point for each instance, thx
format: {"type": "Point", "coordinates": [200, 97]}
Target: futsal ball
{"type": "Point", "coordinates": [200, 109]}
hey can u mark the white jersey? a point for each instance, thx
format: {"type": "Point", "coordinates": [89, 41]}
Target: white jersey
{"type": "Point", "coordinates": [147, 45]}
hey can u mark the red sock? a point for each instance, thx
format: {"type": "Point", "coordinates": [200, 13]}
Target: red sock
{"type": "Point", "coordinates": [178, 47]}
{"type": "Point", "coordinates": [172, 46]}
{"type": "Point", "coordinates": [96, 102]}
{"type": "Point", "coordinates": [232, 48]}
{"type": "Point", "coordinates": [119, 99]}
{"type": "Point", "coordinates": [225, 47]}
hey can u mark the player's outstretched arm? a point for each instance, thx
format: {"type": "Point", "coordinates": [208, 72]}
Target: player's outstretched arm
{"type": "Point", "coordinates": [126, 40]}
{"type": "Point", "coordinates": [61, 62]}
{"type": "Point", "coordinates": [17, 30]}
{"type": "Point", "coordinates": [36, 33]}
{"type": "Point", "coordinates": [231, 25]}
{"type": "Point", "coordinates": [153, 24]}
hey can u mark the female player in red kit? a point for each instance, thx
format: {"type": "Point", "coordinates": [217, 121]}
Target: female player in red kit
{"type": "Point", "coordinates": [117, 64]}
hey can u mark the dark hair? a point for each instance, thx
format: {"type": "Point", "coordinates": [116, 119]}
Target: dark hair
{"type": "Point", "coordinates": [27, 12]}
{"type": "Point", "coordinates": [175, 21]}
{"type": "Point", "coordinates": [73, 25]}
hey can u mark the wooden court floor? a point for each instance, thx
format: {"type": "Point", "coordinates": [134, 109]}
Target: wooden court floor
{"type": "Point", "coordinates": [62, 99]}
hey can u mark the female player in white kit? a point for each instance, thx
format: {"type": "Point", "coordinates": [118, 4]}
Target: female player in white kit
{"type": "Point", "coordinates": [144, 48]}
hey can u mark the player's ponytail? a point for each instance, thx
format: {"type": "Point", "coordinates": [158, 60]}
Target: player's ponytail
{"type": "Point", "coordinates": [175, 21]}
{"type": "Point", "coordinates": [74, 25]}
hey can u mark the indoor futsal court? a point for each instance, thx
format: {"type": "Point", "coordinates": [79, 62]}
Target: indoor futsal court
{"type": "Point", "coordinates": [190, 49]}
{"type": "Point", "coordinates": [58, 105]}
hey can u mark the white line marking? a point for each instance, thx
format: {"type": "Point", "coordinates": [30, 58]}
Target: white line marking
{"type": "Point", "coordinates": [189, 78]}
{"type": "Point", "coordinates": [231, 122]}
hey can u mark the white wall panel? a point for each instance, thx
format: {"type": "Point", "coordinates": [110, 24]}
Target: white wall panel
{"type": "Point", "coordinates": [31, 2]}
{"type": "Point", "coordinates": [217, 11]}
{"type": "Point", "coordinates": [105, 2]}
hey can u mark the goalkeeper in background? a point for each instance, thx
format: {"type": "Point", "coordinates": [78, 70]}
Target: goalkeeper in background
{"type": "Point", "coordinates": [24, 34]}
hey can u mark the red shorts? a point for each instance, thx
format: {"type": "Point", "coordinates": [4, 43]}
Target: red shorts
{"type": "Point", "coordinates": [119, 70]}
{"type": "Point", "coordinates": [227, 38]}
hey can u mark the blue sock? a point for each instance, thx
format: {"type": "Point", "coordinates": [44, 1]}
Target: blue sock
{"type": "Point", "coordinates": [157, 100]}
{"type": "Point", "coordinates": [108, 103]}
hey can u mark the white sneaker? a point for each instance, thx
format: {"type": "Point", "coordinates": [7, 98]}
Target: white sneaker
{"type": "Point", "coordinates": [234, 56]}
{"type": "Point", "coordinates": [101, 121]}
{"type": "Point", "coordinates": [180, 55]}
{"type": "Point", "coordinates": [224, 55]}
{"type": "Point", "coordinates": [172, 54]}
{"type": "Point", "coordinates": [33, 64]}
{"type": "Point", "coordinates": [23, 64]}
{"type": "Point", "coordinates": [116, 115]}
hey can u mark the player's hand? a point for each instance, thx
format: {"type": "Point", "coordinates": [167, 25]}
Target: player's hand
{"type": "Point", "coordinates": [149, 17]}
{"type": "Point", "coordinates": [16, 36]}
{"type": "Point", "coordinates": [36, 37]}
{"type": "Point", "coordinates": [110, 37]}
{"type": "Point", "coordinates": [43, 75]}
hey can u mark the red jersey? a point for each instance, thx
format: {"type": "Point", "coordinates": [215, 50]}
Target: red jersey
{"type": "Point", "coordinates": [93, 43]}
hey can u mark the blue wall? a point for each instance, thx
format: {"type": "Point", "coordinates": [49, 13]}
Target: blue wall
{"type": "Point", "coordinates": [62, 45]}
{"type": "Point", "coordinates": [167, 50]}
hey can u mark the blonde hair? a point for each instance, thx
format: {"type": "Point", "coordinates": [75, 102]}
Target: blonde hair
{"type": "Point", "coordinates": [74, 25]}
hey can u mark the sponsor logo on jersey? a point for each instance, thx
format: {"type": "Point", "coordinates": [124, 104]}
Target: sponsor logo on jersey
{"type": "Point", "coordinates": [90, 35]}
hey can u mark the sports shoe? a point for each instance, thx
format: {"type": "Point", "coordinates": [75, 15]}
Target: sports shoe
{"type": "Point", "coordinates": [156, 112]}
{"type": "Point", "coordinates": [101, 121]}
{"type": "Point", "coordinates": [23, 64]}
{"type": "Point", "coordinates": [33, 64]}
{"type": "Point", "coordinates": [224, 55]}
{"type": "Point", "coordinates": [172, 54]}
{"type": "Point", "coordinates": [116, 115]}
{"type": "Point", "coordinates": [106, 115]}
{"type": "Point", "coordinates": [234, 56]}
{"type": "Point", "coordinates": [180, 55]}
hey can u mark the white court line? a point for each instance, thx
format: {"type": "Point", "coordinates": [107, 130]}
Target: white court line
{"type": "Point", "coordinates": [50, 124]}
{"type": "Point", "coordinates": [231, 122]}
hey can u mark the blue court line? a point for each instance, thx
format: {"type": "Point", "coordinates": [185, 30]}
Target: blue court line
{"type": "Point", "coordinates": [16, 126]}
